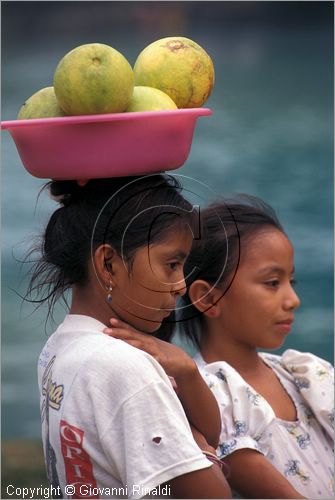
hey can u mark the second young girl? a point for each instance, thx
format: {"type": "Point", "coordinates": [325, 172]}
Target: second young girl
{"type": "Point", "coordinates": [277, 411]}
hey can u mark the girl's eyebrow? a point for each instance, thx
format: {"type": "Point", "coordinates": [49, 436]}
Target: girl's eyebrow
{"type": "Point", "coordinates": [176, 255]}
{"type": "Point", "coordinates": [181, 255]}
{"type": "Point", "coordinates": [274, 269]}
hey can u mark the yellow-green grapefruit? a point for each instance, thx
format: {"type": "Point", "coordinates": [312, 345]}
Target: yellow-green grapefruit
{"type": "Point", "coordinates": [42, 104]}
{"type": "Point", "coordinates": [150, 99]}
{"type": "Point", "coordinates": [93, 78]}
{"type": "Point", "coordinates": [179, 67]}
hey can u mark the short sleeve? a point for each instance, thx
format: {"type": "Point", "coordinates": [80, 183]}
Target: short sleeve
{"type": "Point", "coordinates": [149, 441]}
{"type": "Point", "coordinates": [314, 378]}
{"type": "Point", "coordinates": [244, 413]}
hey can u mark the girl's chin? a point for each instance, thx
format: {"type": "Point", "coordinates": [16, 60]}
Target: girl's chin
{"type": "Point", "coordinates": [148, 326]}
{"type": "Point", "coordinates": [272, 346]}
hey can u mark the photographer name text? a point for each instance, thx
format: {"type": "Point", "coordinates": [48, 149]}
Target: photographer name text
{"type": "Point", "coordinates": [85, 490]}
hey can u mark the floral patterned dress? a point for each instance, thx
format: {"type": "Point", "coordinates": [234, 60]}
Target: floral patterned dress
{"type": "Point", "coordinates": [301, 450]}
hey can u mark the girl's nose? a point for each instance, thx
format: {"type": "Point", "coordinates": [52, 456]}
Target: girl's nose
{"type": "Point", "coordinates": [292, 300]}
{"type": "Point", "coordinates": [179, 287]}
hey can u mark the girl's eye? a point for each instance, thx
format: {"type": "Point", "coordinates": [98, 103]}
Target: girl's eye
{"type": "Point", "coordinates": [272, 283]}
{"type": "Point", "coordinates": [173, 265]}
{"type": "Point", "coordinates": [293, 282]}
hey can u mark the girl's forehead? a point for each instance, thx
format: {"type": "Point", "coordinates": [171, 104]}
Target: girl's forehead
{"type": "Point", "coordinates": [269, 243]}
{"type": "Point", "coordinates": [176, 238]}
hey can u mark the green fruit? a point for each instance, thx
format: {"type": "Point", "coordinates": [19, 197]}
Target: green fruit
{"type": "Point", "coordinates": [150, 99]}
{"type": "Point", "coordinates": [179, 67]}
{"type": "Point", "coordinates": [93, 79]}
{"type": "Point", "coordinates": [42, 104]}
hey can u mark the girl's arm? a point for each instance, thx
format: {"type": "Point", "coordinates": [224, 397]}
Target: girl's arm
{"type": "Point", "coordinates": [204, 483]}
{"type": "Point", "coordinates": [199, 403]}
{"type": "Point", "coordinates": [253, 476]}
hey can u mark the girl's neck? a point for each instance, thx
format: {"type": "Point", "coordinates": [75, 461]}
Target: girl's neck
{"type": "Point", "coordinates": [218, 347]}
{"type": "Point", "coordinates": [90, 303]}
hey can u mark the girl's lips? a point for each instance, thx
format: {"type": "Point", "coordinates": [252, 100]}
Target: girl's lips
{"type": "Point", "coordinates": [284, 326]}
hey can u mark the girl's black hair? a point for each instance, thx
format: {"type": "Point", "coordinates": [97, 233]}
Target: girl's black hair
{"type": "Point", "coordinates": [226, 227]}
{"type": "Point", "coordinates": [126, 212]}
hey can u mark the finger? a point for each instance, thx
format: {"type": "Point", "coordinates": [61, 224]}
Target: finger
{"type": "Point", "coordinates": [117, 333]}
{"type": "Point", "coordinates": [134, 343]}
{"type": "Point", "coordinates": [122, 324]}
{"type": "Point", "coordinates": [126, 334]}
{"type": "Point", "coordinates": [144, 343]}
{"type": "Point", "coordinates": [121, 335]}
{"type": "Point", "coordinates": [139, 344]}
{"type": "Point", "coordinates": [108, 331]}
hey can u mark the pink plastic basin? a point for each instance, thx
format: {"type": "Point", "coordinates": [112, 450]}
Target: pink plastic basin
{"type": "Point", "coordinates": [110, 145]}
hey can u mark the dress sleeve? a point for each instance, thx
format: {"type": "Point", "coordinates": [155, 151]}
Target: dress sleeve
{"type": "Point", "coordinates": [244, 413]}
{"type": "Point", "coordinates": [314, 378]}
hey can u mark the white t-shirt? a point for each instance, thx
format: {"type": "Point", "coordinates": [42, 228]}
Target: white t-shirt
{"type": "Point", "coordinates": [303, 451]}
{"type": "Point", "coordinates": [112, 424]}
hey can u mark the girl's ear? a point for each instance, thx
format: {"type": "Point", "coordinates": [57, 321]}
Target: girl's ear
{"type": "Point", "coordinates": [104, 258]}
{"type": "Point", "coordinates": [205, 298]}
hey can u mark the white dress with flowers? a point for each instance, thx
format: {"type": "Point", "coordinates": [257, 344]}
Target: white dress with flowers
{"type": "Point", "coordinates": [302, 450]}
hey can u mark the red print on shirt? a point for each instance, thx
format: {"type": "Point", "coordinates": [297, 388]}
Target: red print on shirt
{"type": "Point", "coordinates": [78, 466]}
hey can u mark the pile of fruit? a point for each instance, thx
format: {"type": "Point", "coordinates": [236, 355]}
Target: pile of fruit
{"type": "Point", "coordinates": [94, 78]}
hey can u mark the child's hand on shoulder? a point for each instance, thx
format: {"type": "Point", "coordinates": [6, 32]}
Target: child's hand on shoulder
{"type": "Point", "coordinates": [176, 363]}
{"type": "Point", "coordinates": [203, 411]}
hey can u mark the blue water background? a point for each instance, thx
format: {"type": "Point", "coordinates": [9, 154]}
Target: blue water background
{"type": "Point", "coordinates": [271, 135]}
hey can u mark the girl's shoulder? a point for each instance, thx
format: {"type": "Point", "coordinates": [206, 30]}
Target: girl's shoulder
{"type": "Point", "coordinates": [79, 343]}
{"type": "Point", "coordinates": [313, 378]}
{"type": "Point", "coordinates": [217, 371]}
{"type": "Point", "coordinates": [244, 412]}
{"type": "Point", "coordinates": [297, 360]}
{"type": "Point", "coordinates": [229, 387]}
{"type": "Point", "coordinates": [299, 363]}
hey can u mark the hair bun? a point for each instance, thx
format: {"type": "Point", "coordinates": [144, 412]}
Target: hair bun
{"type": "Point", "coordinates": [64, 191]}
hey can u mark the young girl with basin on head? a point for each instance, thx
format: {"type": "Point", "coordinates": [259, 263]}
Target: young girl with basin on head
{"type": "Point", "coordinates": [111, 420]}
{"type": "Point", "coordinates": [277, 412]}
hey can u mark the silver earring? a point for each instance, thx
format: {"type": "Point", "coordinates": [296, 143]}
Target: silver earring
{"type": "Point", "coordinates": [109, 297]}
